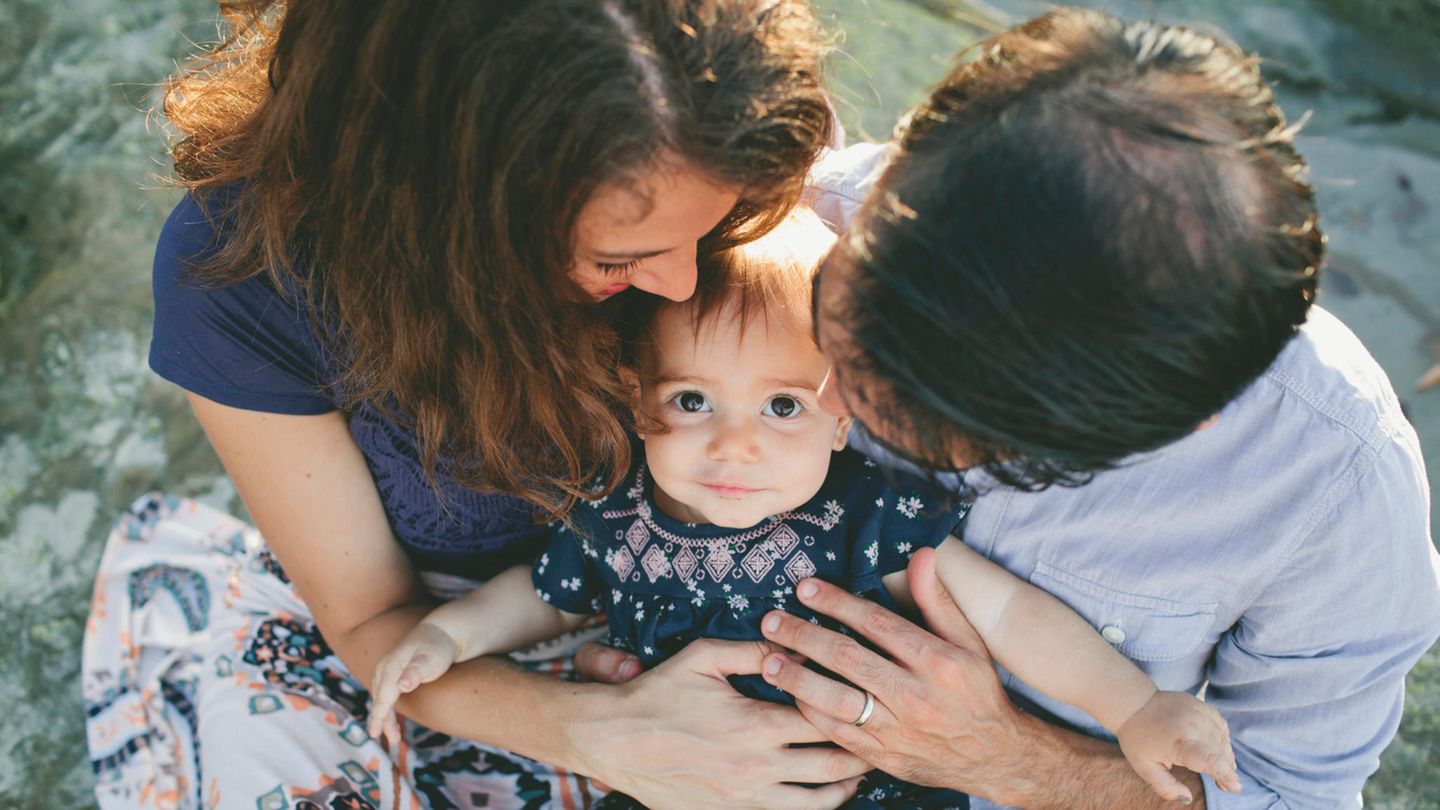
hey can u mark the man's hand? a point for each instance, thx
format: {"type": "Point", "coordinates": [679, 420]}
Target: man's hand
{"type": "Point", "coordinates": [941, 717]}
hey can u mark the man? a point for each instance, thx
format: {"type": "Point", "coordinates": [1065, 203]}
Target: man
{"type": "Point", "coordinates": [1085, 277]}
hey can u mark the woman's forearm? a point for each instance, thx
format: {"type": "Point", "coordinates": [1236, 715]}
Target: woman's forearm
{"type": "Point", "coordinates": [310, 492]}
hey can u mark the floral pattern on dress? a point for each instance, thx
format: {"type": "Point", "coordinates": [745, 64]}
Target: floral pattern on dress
{"type": "Point", "coordinates": [663, 583]}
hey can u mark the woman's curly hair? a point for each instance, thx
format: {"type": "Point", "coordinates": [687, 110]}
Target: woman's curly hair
{"type": "Point", "coordinates": [414, 170]}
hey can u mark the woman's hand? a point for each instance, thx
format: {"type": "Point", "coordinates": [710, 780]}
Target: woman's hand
{"type": "Point", "coordinates": [940, 717]}
{"type": "Point", "coordinates": [681, 736]}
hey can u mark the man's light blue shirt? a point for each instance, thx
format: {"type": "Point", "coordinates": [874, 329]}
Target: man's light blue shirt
{"type": "Point", "coordinates": [1280, 559]}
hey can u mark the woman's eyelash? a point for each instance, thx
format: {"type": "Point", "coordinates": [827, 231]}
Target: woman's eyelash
{"type": "Point", "coordinates": [617, 269]}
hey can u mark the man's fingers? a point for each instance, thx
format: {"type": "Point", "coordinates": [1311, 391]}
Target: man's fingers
{"type": "Point", "coordinates": [598, 662]}
{"type": "Point", "coordinates": [1166, 786]}
{"type": "Point", "coordinates": [889, 631]}
{"type": "Point", "coordinates": [855, 739]}
{"type": "Point", "coordinates": [840, 654]}
{"type": "Point", "coordinates": [942, 615]}
{"type": "Point", "coordinates": [839, 700]}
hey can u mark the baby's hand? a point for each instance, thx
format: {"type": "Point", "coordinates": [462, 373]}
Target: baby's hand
{"type": "Point", "coordinates": [424, 654]}
{"type": "Point", "coordinates": [1174, 728]}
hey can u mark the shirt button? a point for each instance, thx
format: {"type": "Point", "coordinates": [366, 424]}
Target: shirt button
{"type": "Point", "coordinates": [1112, 634]}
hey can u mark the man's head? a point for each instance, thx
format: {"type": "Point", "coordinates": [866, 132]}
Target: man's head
{"type": "Point", "coordinates": [1094, 236]}
{"type": "Point", "coordinates": [728, 402]}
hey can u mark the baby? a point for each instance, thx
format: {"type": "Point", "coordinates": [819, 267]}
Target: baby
{"type": "Point", "coordinates": [744, 489]}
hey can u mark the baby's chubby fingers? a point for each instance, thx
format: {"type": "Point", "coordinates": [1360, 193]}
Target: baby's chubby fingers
{"type": "Point", "coordinates": [1206, 749]}
{"type": "Point", "coordinates": [1205, 756]}
{"type": "Point", "coordinates": [384, 691]}
{"type": "Point", "coordinates": [392, 730]}
{"type": "Point", "coordinates": [382, 708]}
{"type": "Point", "coordinates": [1165, 785]}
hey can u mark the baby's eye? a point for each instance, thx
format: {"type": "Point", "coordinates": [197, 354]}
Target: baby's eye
{"type": "Point", "coordinates": [691, 402]}
{"type": "Point", "coordinates": [783, 407]}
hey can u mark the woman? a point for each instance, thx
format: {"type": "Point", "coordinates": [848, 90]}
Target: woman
{"type": "Point", "coordinates": [381, 298]}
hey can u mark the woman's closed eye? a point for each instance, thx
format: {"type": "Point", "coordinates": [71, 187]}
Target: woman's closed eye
{"type": "Point", "coordinates": [782, 406]}
{"type": "Point", "coordinates": [618, 269]}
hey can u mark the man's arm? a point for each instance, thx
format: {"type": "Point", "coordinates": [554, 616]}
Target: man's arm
{"type": "Point", "coordinates": [1312, 677]}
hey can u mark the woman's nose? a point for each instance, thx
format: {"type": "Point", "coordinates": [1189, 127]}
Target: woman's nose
{"type": "Point", "coordinates": [671, 275]}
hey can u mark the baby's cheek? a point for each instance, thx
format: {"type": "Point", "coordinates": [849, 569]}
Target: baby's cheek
{"type": "Point", "coordinates": [806, 470]}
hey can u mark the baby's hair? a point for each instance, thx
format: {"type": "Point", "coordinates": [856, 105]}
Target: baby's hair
{"type": "Point", "coordinates": [769, 278]}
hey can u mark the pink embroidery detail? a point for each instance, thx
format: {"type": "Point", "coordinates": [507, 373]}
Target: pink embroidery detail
{"type": "Point", "coordinates": [685, 563]}
{"type": "Point", "coordinates": [827, 523]}
{"type": "Point", "coordinates": [718, 563]}
{"type": "Point", "coordinates": [758, 562]}
{"type": "Point", "coordinates": [784, 539]}
{"type": "Point", "coordinates": [656, 566]}
{"type": "Point", "coordinates": [800, 567]}
{"type": "Point", "coordinates": [623, 563]}
{"type": "Point", "coordinates": [699, 556]}
{"type": "Point", "coordinates": [637, 535]}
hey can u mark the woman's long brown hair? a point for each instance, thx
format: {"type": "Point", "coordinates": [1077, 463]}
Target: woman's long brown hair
{"type": "Point", "coordinates": [414, 170]}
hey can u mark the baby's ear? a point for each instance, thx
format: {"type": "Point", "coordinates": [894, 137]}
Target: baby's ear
{"type": "Point", "coordinates": [842, 432]}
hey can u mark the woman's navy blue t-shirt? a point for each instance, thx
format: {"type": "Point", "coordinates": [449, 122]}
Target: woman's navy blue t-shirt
{"type": "Point", "coordinates": [250, 346]}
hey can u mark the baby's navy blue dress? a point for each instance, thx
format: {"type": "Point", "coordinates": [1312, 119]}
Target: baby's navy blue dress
{"type": "Point", "coordinates": [663, 583]}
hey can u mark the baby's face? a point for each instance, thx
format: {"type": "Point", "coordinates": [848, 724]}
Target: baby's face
{"type": "Point", "coordinates": [747, 439]}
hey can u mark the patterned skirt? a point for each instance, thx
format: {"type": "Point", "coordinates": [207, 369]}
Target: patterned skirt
{"type": "Point", "coordinates": [207, 685]}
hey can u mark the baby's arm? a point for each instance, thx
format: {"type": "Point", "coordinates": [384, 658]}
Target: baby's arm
{"type": "Point", "coordinates": [501, 615]}
{"type": "Point", "coordinates": [1049, 646]}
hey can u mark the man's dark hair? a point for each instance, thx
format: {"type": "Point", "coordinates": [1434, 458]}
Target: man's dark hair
{"type": "Point", "coordinates": [1095, 235]}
